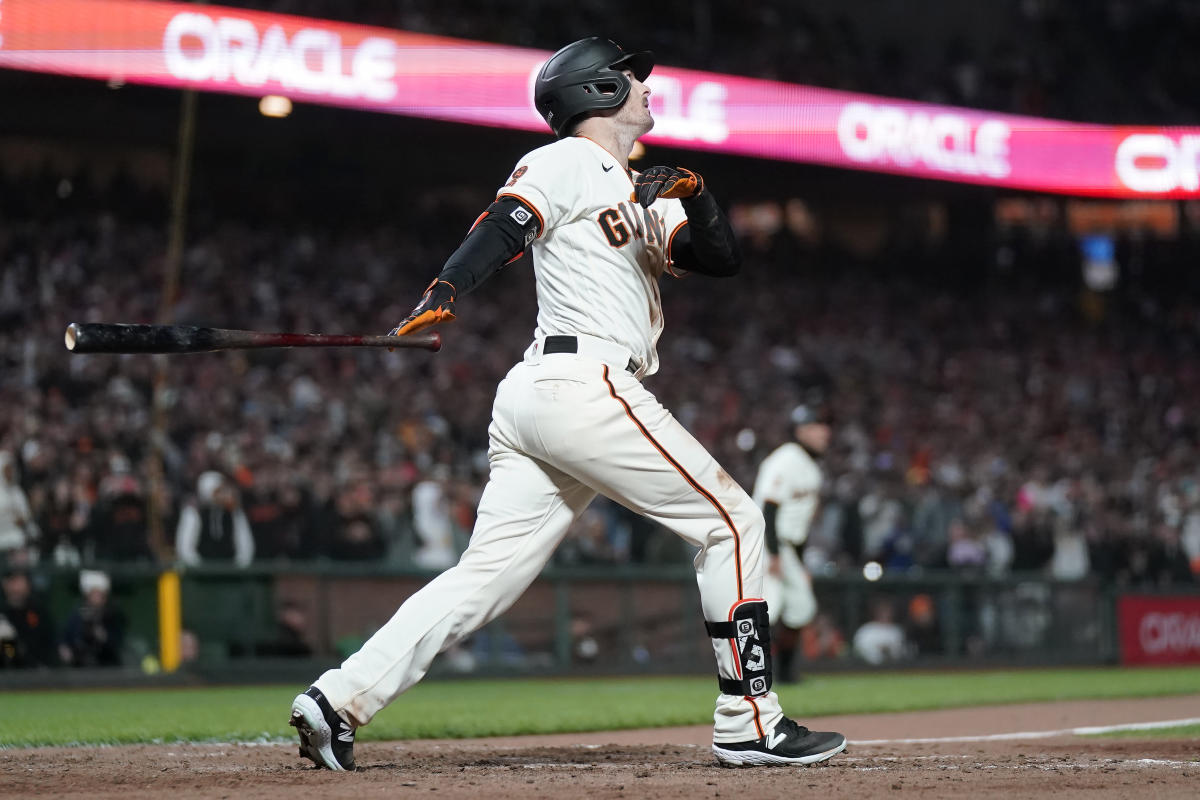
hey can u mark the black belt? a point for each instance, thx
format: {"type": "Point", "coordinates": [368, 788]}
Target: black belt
{"type": "Point", "coordinates": [569, 344]}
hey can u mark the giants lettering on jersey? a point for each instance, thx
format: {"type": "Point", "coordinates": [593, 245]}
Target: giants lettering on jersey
{"type": "Point", "coordinates": [629, 221]}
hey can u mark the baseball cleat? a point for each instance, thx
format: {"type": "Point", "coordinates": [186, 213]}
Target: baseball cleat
{"type": "Point", "coordinates": [789, 743]}
{"type": "Point", "coordinates": [325, 738]}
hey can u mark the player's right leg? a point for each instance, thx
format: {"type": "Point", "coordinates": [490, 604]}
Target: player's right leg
{"type": "Point", "coordinates": [621, 441]}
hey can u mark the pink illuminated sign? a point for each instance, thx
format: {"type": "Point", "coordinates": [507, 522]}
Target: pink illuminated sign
{"type": "Point", "coordinates": [244, 52]}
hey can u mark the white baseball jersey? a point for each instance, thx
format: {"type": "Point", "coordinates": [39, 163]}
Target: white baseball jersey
{"type": "Point", "coordinates": [791, 479]}
{"type": "Point", "coordinates": [600, 254]}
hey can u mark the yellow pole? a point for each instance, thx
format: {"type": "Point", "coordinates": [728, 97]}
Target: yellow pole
{"type": "Point", "coordinates": [170, 620]}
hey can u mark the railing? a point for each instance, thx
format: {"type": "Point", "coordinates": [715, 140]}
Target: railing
{"type": "Point", "coordinates": [604, 619]}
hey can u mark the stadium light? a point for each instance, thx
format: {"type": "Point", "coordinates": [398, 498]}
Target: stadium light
{"type": "Point", "coordinates": [275, 105]}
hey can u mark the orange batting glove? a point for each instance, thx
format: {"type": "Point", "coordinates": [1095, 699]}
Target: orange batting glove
{"type": "Point", "coordinates": [437, 305]}
{"type": "Point", "coordinates": [667, 182]}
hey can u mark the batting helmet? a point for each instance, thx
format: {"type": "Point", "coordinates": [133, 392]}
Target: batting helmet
{"type": "Point", "coordinates": [586, 76]}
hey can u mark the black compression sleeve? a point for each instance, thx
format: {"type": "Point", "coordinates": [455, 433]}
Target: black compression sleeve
{"type": "Point", "coordinates": [503, 233]}
{"type": "Point", "coordinates": [770, 511]}
{"type": "Point", "coordinates": [706, 244]}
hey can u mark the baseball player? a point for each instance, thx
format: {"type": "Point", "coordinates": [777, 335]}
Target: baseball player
{"type": "Point", "coordinates": [787, 490]}
{"type": "Point", "coordinates": [572, 418]}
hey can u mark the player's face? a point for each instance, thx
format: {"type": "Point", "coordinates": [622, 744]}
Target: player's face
{"type": "Point", "coordinates": [636, 109]}
{"type": "Point", "coordinates": [815, 436]}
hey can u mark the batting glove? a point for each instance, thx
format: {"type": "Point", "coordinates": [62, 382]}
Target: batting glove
{"type": "Point", "coordinates": [437, 305]}
{"type": "Point", "coordinates": [667, 182]}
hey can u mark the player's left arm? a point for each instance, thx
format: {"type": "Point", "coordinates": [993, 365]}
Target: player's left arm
{"type": "Point", "coordinates": [705, 243]}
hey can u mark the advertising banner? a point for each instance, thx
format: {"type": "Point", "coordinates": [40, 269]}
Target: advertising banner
{"type": "Point", "coordinates": [1159, 629]}
{"type": "Point", "coordinates": [220, 49]}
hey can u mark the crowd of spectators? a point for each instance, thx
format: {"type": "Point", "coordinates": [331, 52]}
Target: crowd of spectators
{"type": "Point", "coordinates": [992, 417]}
{"type": "Point", "coordinates": [92, 635]}
{"type": "Point", "coordinates": [1052, 58]}
{"type": "Point", "coordinates": [983, 424]}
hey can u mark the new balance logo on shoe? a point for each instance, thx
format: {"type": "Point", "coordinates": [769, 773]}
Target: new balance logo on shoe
{"type": "Point", "coordinates": [325, 738]}
{"type": "Point", "coordinates": [773, 739]}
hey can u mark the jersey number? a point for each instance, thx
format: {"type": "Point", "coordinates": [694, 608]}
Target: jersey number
{"type": "Point", "coordinates": [516, 176]}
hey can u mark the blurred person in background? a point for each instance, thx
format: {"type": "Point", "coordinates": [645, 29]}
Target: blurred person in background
{"type": "Point", "coordinates": [921, 626]}
{"type": "Point", "coordinates": [63, 522]}
{"type": "Point", "coordinates": [393, 514]}
{"type": "Point", "coordinates": [839, 528]}
{"type": "Point", "coordinates": [936, 507]}
{"type": "Point", "coordinates": [323, 518]}
{"type": "Point", "coordinates": [880, 640]}
{"type": "Point", "coordinates": [585, 644]}
{"type": "Point", "coordinates": [1069, 560]}
{"type": "Point", "coordinates": [1033, 539]}
{"type": "Point", "coordinates": [1169, 562]}
{"type": "Point", "coordinates": [118, 528]}
{"type": "Point", "coordinates": [18, 531]}
{"type": "Point", "coordinates": [27, 635]}
{"type": "Point", "coordinates": [356, 535]}
{"type": "Point", "coordinates": [95, 631]}
{"type": "Point", "coordinates": [788, 491]}
{"type": "Point", "coordinates": [967, 551]}
{"type": "Point", "coordinates": [292, 629]}
{"type": "Point", "coordinates": [881, 510]}
{"type": "Point", "coordinates": [213, 528]}
{"type": "Point", "coordinates": [587, 540]}
{"type": "Point", "coordinates": [276, 507]}
{"type": "Point", "coordinates": [1189, 536]}
{"type": "Point", "coordinates": [432, 520]}
{"type": "Point", "coordinates": [822, 639]}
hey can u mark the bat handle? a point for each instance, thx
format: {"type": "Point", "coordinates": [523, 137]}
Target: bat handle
{"type": "Point", "coordinates": [72, 335]}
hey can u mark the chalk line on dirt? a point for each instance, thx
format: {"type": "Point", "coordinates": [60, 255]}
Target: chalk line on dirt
{"type": "Point", "coordinates": [1087, 730]}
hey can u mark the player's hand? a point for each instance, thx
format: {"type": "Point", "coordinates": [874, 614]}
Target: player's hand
{"type": "Point", "coordinates": [437, 305]}
{"type": "Point", "coordinates": [667, 182]}
{"type": "Point", "coordinates": [774, 568]}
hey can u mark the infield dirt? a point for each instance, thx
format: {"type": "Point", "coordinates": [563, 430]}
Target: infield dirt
{"type": "Point", "coordinates": [666, 763]}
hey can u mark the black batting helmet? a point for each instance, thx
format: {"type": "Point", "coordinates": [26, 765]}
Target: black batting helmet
{"type": "Point", "coordinates": [586, 76]}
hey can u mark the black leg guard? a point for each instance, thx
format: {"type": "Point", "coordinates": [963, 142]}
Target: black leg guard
{"type": "Point", "coordinates": [749, 632]}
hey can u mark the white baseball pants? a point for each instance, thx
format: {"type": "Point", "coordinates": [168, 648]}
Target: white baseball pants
{"type": "Point", "coordinates": [565, 427]}
{"type": "Point", "coordinates": [789, 594]}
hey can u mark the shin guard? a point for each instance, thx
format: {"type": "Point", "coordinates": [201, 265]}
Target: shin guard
{"type": "Point", "coordinates": [748, 633]}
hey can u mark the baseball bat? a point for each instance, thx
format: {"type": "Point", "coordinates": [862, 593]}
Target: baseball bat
{"type": "Point", "coordinates": [106, 337]}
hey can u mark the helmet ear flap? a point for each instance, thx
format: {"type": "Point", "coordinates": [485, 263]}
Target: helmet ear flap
{"type": "Point", "coordinates": [608, 88]}
{"type": "Point", "coordinates": [584, 77]}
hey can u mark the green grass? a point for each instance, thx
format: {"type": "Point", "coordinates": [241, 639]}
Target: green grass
{"type": "Point", "coordinates": [448, 709]}
{"type": "Point", "coordinates": [1176, 732]}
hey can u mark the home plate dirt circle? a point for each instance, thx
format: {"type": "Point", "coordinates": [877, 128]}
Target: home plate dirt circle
{"type": "Point", "coordinates": [998, 751]}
